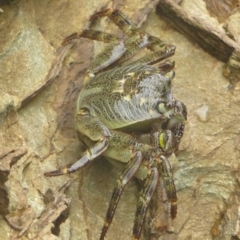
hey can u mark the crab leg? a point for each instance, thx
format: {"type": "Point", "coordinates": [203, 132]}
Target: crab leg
{"type": "Point", "coordinates": [115, 50]}
{"type": "Point", "coordinates": [157, 56]}
{"type": "Point", "coordinates": [112, 53]}
{"type": "Point", "coordinates": [95, 130]}
{"type": "Point", "coordinates": [120, 50]}
{"type": "Point", "coordinates": [160, 49]}
{"type": "Point", "coordinates": [169, 185]}
{"type": "Point", "coordinates": [166, 66]}
{"type": "Point", "coordinates": [143, 202]}
{"type": "Point", "coordinates": [91, 34]}
{"type": "Point", "coordinates": [99, 36]}
{"type": "Point", "coordinates": [119, 19]}
{"type": "Point", "coordinates": [128, 172]}
{"type": "Point", "coordinates": [160, 140]}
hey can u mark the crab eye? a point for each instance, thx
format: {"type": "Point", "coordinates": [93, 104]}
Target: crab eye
{"type": "Point", "coordinates": [163, 140]}
{"type": "Point", "coordinates": [162, 108]}
{"type": "Point", "coordinates": [166, 141]}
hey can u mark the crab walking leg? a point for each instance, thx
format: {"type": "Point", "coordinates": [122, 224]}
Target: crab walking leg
{"type": "Point", "coordinates": [119, 51]}
{"type": "Point", "coordinates": [115, 50]}
{"type": "Point", "coordinates": [122, 50]}
{"type": "Point", "coordinates": [144, 199]}
{"type": "Point", "coordinates": [89, 155]}
{"type": "Point", "coordinates": [119, 19]}
{"type": "Point", "coordinates": [160, 49]}
{"type": "Point", "coordinates": [127, 26]}
{"type": "Point", "coordinates": [157, 56]}
{"type": "Point", "coordinates": [91, 34]}
{"type": "Point", "coordinates": [96, 131]}
{"type": "Point", "coordinates": [99, 36]}
{"type": "Point", "coordinates": [128, 172]}
{"type": "Point", "coordinates": [169, 185]}
{"type": "Point", "coordinates": [112, 53]}
{"type": "Point", "coordinates": [166, 66]}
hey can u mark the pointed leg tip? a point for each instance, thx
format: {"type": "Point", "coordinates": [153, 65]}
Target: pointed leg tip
{"type": "Point", "coordinates": [55, 173]}
{"type": "Point", "coordinates": [51, 174]}
{"type": "Point", "coordinates": [102, 13]}
{"type": "Point", "coordinates": [70, 38]}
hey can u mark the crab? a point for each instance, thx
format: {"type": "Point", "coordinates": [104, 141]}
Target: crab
{"type": "Point", "coordinates": [128, 114]}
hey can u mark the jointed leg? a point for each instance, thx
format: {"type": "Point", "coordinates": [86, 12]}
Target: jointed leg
{"type": "Point", "coordinates": [144, 199]}
{"type": "Point", "coordinates": [119, 19]}
{"type": "Point", "coordinates": [157, 56]}
{"type": "Point", "coordinates": [115, 50]}
{"type": "Point", "coordinates": [99, 36]}
{"type": "Point", "coordinates": [96, 131]}
{"type": "Point", "coordinates": [89, 155]}
{"type": "Point", "coordinates": [91, 34]}
{"type": "Point", "coordinates": [160, 49]}
{"type": "Point", "coordinates": [166, 66]}
{"type": "Point", "coordinates": [119, 51]}
{"type": "Point", "coordinates": [128, 172]}
{"type": "Point", "coordinates": [169, 185]}
{"type": "Point", "coordinates": [167, 141]}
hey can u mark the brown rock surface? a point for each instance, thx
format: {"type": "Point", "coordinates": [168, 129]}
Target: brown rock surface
{"type": "Point", "coordinates": [37, 133]}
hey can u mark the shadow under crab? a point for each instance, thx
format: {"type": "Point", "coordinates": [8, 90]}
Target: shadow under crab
{"type": "Point", "coordinates": [128, 114]}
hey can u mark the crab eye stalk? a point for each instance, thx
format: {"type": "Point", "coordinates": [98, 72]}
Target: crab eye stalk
{"type": "Point", "coordinates": [166, 141]}
{"type": "Point", "coordinates": [162, 140]}
{"type": "Point", "coordinates": [163, 108]}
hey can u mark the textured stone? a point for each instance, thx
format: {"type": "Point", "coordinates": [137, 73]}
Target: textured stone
{"type": "Point", "coordinates": [42, 130]}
